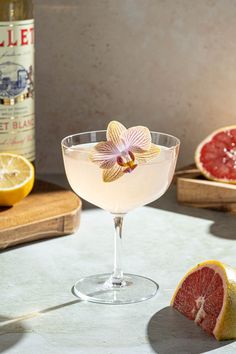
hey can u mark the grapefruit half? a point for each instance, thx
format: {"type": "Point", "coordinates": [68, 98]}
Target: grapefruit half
{"type": "Point", "coordinates": [207, 295]}
{"type": "Point", "coordinates": [215, 156]}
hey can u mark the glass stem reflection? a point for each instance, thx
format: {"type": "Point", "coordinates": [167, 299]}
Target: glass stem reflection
{"type": "Point", "coordinates": [117, 276]}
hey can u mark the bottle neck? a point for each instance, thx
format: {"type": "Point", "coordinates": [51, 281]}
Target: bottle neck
{"type": "Point", "coordinates": [16, 10]}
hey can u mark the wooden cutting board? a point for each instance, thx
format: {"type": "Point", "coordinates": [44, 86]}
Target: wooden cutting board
{"type": "Point", "coordinates": [47, 212]}
{"type": "Point", "coordinates": [194, 190]}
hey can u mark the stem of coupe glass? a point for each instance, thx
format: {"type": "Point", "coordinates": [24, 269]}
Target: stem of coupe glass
{"type": "Point", "coordinates": [117, 278]}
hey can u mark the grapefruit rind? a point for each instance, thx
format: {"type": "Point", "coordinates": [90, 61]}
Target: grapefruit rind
{"type": "Point", "coordinates": [197, 156]}
{"type": "Point", "coordinates": [225, 327]}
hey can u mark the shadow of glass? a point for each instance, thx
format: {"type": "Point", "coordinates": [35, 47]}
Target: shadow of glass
{"type": "Point", "coordinates": [58, 307]}
{"type": "Point", "coordinates": [12, 330]}
{"type": "Point", "coordinates": [223, 223]}
{"type": "Point", "coordinates": [11, 333]}
{"type": "Point", "coordinates": [88, 206]}
{"type": "Point", "coordinates": [169, 332]}
{"type": "Point", "coordinates": [42, 186]}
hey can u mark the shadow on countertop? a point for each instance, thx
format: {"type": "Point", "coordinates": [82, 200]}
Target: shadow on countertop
{"type": "Point", "coordinates": [10, 332]}
{"type": "Point", "coordinates": [169, 332]}
{"type": "Point", "coordinates": [223, 223]}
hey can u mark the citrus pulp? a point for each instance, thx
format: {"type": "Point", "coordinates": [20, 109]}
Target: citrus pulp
{"type": "Point", "coordinates": [207, 295]}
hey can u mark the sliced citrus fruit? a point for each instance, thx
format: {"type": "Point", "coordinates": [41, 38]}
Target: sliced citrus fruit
{"type": "Point", "coordinates": [215, 156]}
{"type": "Point", "coordinates": [207, 295]}
{"type": "Point", "coordinates": [16, 178]}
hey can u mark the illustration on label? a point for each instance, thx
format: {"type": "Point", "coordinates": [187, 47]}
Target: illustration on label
{"type": "Point", "coordinates": [17, 88]}
{"type": "Point", "coordinates": [14, 80]}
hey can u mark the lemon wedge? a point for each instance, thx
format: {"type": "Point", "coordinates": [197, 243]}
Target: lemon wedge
{"type": "Point", "coordinates": [16, 178]}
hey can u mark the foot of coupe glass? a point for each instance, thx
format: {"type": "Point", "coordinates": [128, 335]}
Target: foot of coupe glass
{"type": "Point", "coordinates": [99, 288]}
{"type": "Point", "coordinates": [116, 288]}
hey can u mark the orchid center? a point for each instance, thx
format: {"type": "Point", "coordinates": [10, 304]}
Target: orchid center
{"type": "Point", "coordinates": [127, 160]}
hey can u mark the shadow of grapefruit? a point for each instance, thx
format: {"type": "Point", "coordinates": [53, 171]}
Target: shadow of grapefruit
{"type": "Point", "coordinates": [169, 332]}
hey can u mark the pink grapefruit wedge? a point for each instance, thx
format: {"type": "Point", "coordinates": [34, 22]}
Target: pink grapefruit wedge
{"type": "Point", "coordinates": [215, 156]}
{"type": "Point", "coordinates": [207, 296]}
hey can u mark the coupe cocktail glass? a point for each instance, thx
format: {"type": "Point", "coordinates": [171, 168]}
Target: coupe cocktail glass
{"type": "Point", "coordinates": [144, 185]}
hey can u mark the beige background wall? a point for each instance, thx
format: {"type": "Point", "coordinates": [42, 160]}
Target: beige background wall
{"type": "Point", "coordinates": [168, 64]}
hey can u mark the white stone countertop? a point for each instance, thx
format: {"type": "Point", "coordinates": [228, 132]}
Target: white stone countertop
{"type": "Point", "coordinates": [39, 314]}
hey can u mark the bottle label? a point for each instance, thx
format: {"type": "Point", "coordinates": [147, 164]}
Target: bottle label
{"type": "Point", "coordinates": [17, 123]}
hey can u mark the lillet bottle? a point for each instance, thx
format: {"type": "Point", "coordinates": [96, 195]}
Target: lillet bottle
{"type": "Point", "coordinates": [17, 108]}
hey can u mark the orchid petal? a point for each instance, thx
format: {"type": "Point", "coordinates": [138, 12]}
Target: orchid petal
{"type": "Point", "coordinates": [114, 132]}
{"type": "Point", "coordinates": [106, 148]}
{"type": "Point", "coordinates": [107, 163]}
{"type": "Point", "coordinates": [149, 155]}
{"type": "Point", "coordinates": [137, 139]}
{"type": "Point", "coordinates": [104, 154]}
{"type": "Point", "coordinates": [112, 174]}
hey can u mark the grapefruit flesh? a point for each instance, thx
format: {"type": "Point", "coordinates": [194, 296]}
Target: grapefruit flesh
{"type": "Point", "coordinates": [216, 155]}
{"type": "Point", "coordinates": [207, 296]}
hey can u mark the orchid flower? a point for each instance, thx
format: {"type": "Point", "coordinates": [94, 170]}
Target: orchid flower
{"type": "Point", "coordinates": [124, 150]}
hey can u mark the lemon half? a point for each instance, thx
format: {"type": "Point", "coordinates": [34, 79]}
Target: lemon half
{"type": "Point", "coordinates": [16, 178]}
